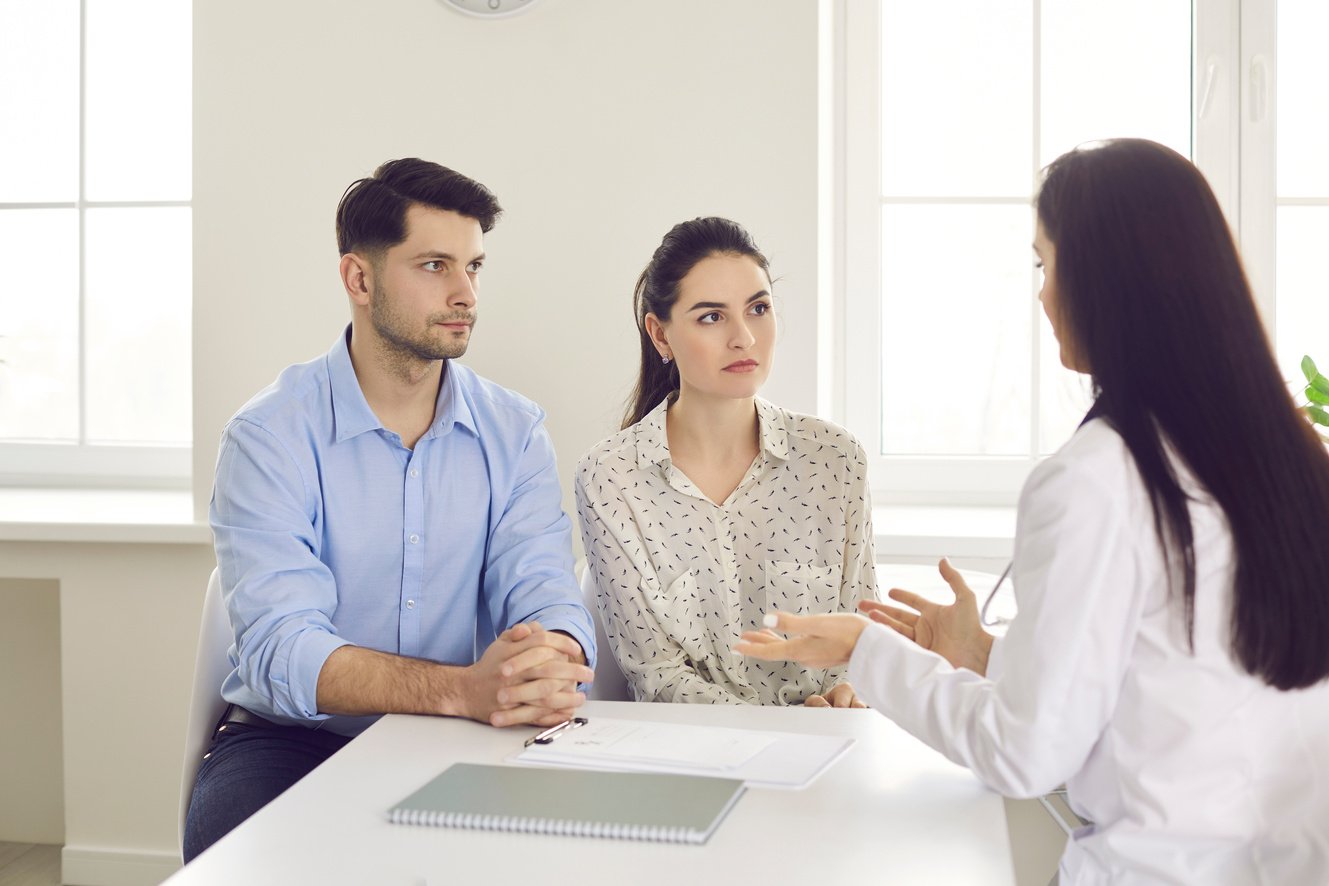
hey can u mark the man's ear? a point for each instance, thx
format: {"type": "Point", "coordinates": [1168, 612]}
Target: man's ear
{"type": "Point", "coordinates": [357, 275]}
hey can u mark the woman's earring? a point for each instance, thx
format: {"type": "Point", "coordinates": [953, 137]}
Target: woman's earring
{"type": "Point", "coordinates": [665, 358]}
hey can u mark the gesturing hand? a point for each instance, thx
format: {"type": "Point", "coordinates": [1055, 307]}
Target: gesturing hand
{"type": "Point", "coordinates": [953, 630]}
{"type": "Point", "coordinates": [821, 641]}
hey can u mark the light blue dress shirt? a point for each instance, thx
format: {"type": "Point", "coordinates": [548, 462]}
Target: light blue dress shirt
{"type": "Point", "coordinates": [331, 532]}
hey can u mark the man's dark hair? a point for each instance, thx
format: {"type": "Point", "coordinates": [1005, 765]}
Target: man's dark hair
{"type": "Point", "coordinates": [371, 216]}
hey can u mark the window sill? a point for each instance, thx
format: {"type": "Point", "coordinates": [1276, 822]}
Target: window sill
{"type": "Point", "coordinates": [932, 532]}
{"type": "Point", "coordinates": [144, 516]}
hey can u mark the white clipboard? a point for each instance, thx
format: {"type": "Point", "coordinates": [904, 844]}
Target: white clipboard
{"type": "Point", "coordinates": [759, 757]}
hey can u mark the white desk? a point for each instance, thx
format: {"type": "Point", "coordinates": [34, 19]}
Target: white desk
{"type": "Point", "coordinates": [891, 810]}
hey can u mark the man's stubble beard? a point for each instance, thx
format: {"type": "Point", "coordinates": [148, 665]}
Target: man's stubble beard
{"type": "Point", "coordinates": [401, 340]}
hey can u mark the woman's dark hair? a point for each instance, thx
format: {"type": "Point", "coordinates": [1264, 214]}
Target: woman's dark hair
{"type": "Point", "coordinates": [686, 244]}
{"type": "Point", "coordinates": [371, 216]}
{"type": "Point", "coordinates": [1155, 301]}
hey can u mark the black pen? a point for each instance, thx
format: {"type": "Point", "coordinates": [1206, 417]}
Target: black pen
{"type": "Point", "coordinates": [554, 732]}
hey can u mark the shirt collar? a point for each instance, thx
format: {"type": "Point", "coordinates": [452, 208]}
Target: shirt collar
{"type": "Point", "coordinates": [352, 415]}
{"type": "Point", "coordinates": [653, 439]}
{"type": "Point", "coordinates": [452, 408]}
{"type": "Point", "coordinates": [774, 434]}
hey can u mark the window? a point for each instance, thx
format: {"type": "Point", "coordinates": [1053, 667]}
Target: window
{"type": "Point", "coordinates": [95, 222]}
{"type": "Point", "coordinates": [1301, 310]}
{"type": "Point", "coordinates": [950, 376]}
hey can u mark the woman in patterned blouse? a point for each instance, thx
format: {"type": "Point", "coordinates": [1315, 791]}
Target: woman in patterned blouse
{"type": "Point", "coordinates": [711, 506]}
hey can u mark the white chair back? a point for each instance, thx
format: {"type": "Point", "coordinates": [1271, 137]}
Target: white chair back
{"type": "Point", "coordinates": [205, 702]}
{"type": "Point", "coordinates": [610, 684]}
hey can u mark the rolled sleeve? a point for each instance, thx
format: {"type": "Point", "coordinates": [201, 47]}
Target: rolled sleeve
{"type": "Point", "coordinates": [280, 597]}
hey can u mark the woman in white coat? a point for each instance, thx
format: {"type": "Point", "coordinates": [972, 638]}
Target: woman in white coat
{"type": "Point", "coordinates": [1170, 655]}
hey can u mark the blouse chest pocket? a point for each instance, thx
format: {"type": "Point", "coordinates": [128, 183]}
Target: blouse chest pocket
{"type": "Point", "coordinates": [802, 588]}
{"type": "Point", "coordinates": [678, 609]}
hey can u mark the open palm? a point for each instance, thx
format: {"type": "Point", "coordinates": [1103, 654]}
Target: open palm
{"type": "Point", "coordinates": [952, 630]}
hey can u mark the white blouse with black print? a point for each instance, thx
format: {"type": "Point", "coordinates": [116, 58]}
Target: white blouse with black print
{"type": "Point", "coordinates": [678, 578]}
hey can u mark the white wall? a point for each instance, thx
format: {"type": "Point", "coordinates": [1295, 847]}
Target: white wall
{"type": "Point", "coordinates": [598, 123]}
{"type": "Point", "coordinates": [31, 768]}
{"type": "Point", "coordinates": [128, 625]}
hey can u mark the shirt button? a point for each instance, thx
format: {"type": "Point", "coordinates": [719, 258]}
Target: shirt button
{"type": "Point", "coordinates": [415, 472]}
{"type": "Point", "coordinates": [410, 604]}
{"type": "Point", "coordinates": [415, 539]}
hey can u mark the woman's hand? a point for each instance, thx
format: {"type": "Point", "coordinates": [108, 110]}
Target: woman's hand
{"type": "Point", "coordinates": [820, 641]}
{"type": "Point", "coordinates": [841, 696]}
{"type": "Point", "coordinates": [952, 631]}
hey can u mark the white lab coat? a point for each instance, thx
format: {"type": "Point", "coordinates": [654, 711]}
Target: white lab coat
{"type": "Point", "coordinates": [1192, 770]}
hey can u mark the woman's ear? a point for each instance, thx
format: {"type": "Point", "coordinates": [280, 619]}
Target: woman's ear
{"type": "Point", "coordinates": [656, 330]}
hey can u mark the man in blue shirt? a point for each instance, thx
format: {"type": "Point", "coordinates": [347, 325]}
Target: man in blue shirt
{"type": "Point", "coordinates": [388, 524]}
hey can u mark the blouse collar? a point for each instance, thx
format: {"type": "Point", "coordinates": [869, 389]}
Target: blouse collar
{"type": "Point", "coordinates": [653, 440]}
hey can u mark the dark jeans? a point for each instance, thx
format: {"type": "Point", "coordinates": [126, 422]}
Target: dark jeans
{"type": "Point", "coordinates": [245, 768]}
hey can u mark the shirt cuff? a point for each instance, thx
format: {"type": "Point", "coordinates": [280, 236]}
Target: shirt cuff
{"type": "Point", "coordinates": [564, 618]}
{"type": "Point", "coordinates": [308, 656]}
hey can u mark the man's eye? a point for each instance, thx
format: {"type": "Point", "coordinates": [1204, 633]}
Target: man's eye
{"type": "Point", "coordinates": [433, 266]}
{"type": "Point", "coordinates": [475, 266]}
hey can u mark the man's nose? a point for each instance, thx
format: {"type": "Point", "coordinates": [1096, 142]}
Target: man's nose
{"type": "Point", "coordinates": [464, 293]}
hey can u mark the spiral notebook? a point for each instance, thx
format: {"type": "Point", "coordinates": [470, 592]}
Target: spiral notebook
{"type": "Point", "coordinates": [622, 805]}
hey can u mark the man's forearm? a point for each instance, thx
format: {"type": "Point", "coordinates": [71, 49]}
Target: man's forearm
{"type": "Point", "coordinates": [355, 681]}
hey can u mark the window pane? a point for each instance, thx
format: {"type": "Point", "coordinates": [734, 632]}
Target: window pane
{"type": "Point", "coordinates": [956, 329]}
{"type": "Point", "coordinates": [39, 101]}
{"type": "Point", "coordinates": [956, 85]}
{"type": "Point", "coordinates": [139, 99]}
{"type": "Point", "coordinates": [1065, 396]}
{"type": "Point", "coordinates": [1303, 80]}
{"type": "Point", "coordinates": [1112, 70]}
{"type": "Point", "coordinates": [1302, 317]}
{"type": "Point", "coordinates": [138, 332]}
{"type": "Point", "coordinates": [39, 325]}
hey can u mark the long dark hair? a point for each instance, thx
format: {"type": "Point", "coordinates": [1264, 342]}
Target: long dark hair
{"type": "Point", "coordinates": [1154, 298]}
{"type": "Point", "coordinates": [686, 244]}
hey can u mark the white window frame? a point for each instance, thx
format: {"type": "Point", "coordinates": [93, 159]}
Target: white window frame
{"type": "Point", "coordinates": [1233, 130]}
{"type": "Point", "coordinates": [82, 463]}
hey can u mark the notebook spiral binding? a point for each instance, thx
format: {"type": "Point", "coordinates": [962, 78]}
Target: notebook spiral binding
{"type": "Point", "coordinates": [556, 827]}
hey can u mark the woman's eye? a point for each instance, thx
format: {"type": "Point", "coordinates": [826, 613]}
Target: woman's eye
{"type": "Point", "coordinates": [761, 309]}
{"type": "Point", "coordinates": [712, 317]}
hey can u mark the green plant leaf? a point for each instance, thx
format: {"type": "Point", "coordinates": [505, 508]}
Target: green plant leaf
{"type": "Point", "coordinates": [1315, 395]}
{"type": "Point", "coordinates": [1318, 415]}
{"type": "Point", "coordinates": [1308, 368]}
{"type": "Point", "coordinates": [1320, 383]}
